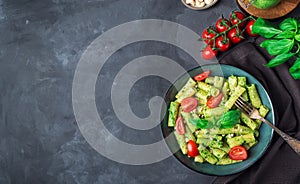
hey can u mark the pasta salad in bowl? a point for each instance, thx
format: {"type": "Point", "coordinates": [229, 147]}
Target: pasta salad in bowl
{"type": "Point", "coordinates": [211, 135]}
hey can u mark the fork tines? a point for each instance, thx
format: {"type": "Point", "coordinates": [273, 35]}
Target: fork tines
{"type": "Point", "coordinates": [244, 106]}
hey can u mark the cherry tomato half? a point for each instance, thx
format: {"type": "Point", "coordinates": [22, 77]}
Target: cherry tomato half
{"type": "Point", "coordinates": [180, 129]}
{"type": "Point", "coordinates": [235, 35]}
{"type": "Point", "coordinates": [208, 53]}
{"type": "Point", "coordinates": [238, 153]}
{"type": "Point", "coordinates": [208, 34]}
{"type": "Point", "coordinates": [202, 76]}
{"type": "Point", "coordinates": [222, 25]}
{"type": "Point", "coordinates": [192, 148]}
{"type": "Point", "coordinates": [249, 28]}
{"type": "Point", "coordinates": [223, 43]}
{"type": "Point", "coordinates": [188, 104]}
{"type": "Point", "coordinates": [213, 102]}
{"type": "Point", "coordinates": [237, 17]}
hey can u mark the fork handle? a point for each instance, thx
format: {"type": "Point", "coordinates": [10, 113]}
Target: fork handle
{"type": "Point", "coordinates": [294, 143]}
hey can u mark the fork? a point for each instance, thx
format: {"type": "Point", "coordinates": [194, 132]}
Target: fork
{"type": "Point", "coordinates": [253, 113]}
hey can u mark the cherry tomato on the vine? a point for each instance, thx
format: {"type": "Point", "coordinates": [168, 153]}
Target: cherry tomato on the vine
{"type": "Point", "coordinates": [192, 148]}
{"type": "Point", "coordinates": [237, 17]}
{"type": "Point", "coordinates": [208, 34]}
{"type": "Point", "coordinates": [208, 53]}
{"type": "Point", "coordinates": [235, 35]}
{"type": "Point", "coordinates": [249, 28]}
{"type": "Point", "coordinates": [222, 25]}
{"type": "Point", "coordinates": [223, 43]}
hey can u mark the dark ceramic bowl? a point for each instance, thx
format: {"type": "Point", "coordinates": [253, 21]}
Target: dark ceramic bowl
{"type": "Point", "coordinates": [254, 153]}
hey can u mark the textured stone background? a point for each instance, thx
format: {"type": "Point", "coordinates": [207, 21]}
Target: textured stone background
{"type": "Point", "coordinates": [41, 42]}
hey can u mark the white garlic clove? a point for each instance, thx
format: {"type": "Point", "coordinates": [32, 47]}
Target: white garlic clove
{"type": "Point", "coordinates": [200, 4]}
{"type": "Point", "coordinates": [193, 3]}
{"type": "Point", "coordinates": [190, 2]}
{"type": "Point", "coordinates": [208, 1]}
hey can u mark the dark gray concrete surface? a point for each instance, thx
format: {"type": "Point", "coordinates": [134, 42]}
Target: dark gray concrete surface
{"type": "Point", "coordinates": [41, 42]}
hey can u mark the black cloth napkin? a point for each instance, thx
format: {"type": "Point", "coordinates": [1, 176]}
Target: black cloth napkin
{"type": "Point", "coordinates": [280, 164]}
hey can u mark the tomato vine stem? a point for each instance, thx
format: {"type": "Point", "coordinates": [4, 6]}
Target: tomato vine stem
{"type": "Point", "coordinates": [224, 33]}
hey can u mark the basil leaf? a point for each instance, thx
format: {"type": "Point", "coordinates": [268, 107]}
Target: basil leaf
{"type": "Point", "coordinates": [295, 69]}
{"type": "Point", "coordinates": [199, 123]}
{"type": "Point", "coordinates": [229, 119]}
{"type": "Point", "coordinates": [297, 37]}
{"type": "Point", "coordinates": [289, 24]}
{"type": "Point", "coordinates": [279, 59]}
{"type": "Point", "coordinates": [215, 122]}
{"type": "Point", "coordinates": [226, 126]}
{"type": "Point", "coordinates": [276, 47]}
{"type": "Point", "coordinates": [285, 34]}
{"type": "Point", "coordinates": [265, 28]}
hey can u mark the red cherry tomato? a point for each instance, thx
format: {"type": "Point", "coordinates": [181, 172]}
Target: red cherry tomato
{"type": "Point", "coordinates": [208, 53]}
{"type": "Point", "coordinates": [180, 129]}
{"type": "Point", "coordinates": [202, 76]}
{"type": "Point", "coordinates": [238, 153]}
{"type": "Point", "coordinates": [222, 25]}
{"type": "Point", "coordinates": [188, 104]}
{"type": "Point", "coordinates": [235, 35]}
{"type": "Point", "coordinates": [213, 102]}
{"type": "Point", "coordinates": [192, 148]}
{"type": "Point", "coordinates": [249, 28]}
{"type": "Point", "coordinates": [223, 43]}
{"type": "Point", "coordinates": [207, 35]}
{"type": "Point", "coordinates": [237, 17]}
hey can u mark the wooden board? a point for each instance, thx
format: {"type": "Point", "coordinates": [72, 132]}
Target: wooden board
{"type": "Point", "coordinates": [281, 9]}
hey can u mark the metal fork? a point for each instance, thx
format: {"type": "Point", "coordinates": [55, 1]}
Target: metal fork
{"type": "Point", "coordinates": [253, 113]}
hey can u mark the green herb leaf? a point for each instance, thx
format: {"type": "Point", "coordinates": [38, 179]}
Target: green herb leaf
{"type": "Point", "coordinates": [295, 69]}
{"type": "Point", "coordinates": [229, 119]}
{"type": "Point", "coordinates": [297, 37]}
{"type": "Point", "coordinates": [199, 123]}
{"type": "Point", "coordinates": [279, 59]}
{"type": "Point", "coordinates": [289, 24]}
{"type": "Point", "coordinates": [215, 122]}
{"type": "Point", "coordinates": [265, 28]}
{"type": "Point", "coordinates": [276, 47]}
{"type": "Point", "coordinates": [285, 34]}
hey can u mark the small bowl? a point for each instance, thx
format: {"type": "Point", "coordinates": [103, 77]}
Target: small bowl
{"type": "Point", "coordinates": [199, 8]}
